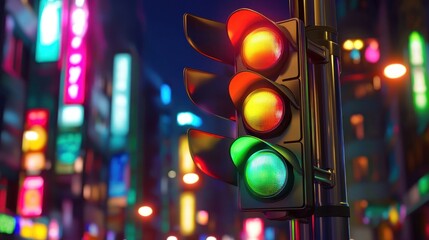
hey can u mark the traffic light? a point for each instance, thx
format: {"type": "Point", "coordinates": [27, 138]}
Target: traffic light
{"type": "Point", "coordinates": [270, 104]}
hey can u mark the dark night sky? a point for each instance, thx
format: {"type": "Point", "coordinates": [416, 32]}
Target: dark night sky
{"type": "Point", "coordinates": [166, 50]}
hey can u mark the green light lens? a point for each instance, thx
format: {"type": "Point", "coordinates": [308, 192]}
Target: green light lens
{"type": "Point", "coordinates": [266, 173]}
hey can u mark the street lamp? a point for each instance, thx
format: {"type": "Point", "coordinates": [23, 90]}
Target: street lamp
{"type": "Point", "coordinates": [395, 71]}
{"type": "Point", "coordinates": [145, 211]}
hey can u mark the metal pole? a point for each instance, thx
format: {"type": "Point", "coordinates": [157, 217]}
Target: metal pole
{"type": "Point", "coordinates": [332, 210]}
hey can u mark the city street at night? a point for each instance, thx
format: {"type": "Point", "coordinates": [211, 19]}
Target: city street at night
{"type": "Point", "coordinates": [214, 120]}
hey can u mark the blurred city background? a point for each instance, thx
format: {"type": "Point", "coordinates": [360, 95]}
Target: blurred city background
{"type": "Point", "coordinates": [94, 115]}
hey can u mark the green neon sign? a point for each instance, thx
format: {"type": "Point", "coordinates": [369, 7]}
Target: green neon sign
{"type": "Point", "coordinates": [68, 147]}
{"type": "Point", "coordinates": [419, 78]}
{"type": "Point", "coordinates": [7, 224]}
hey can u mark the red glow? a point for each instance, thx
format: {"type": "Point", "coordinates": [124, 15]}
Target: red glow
{"type": "Point", "coordinates": [427, 229]}
{"type": "Point", "coordinates": [37, 117]}
{"type": "Point", "coordinates": [54, 230]}
{"type": "Point", "coordinates": [3, 194]}
{"type": "Point", "coordinates": [240, 21]}
{"type": "Point", "coordinates": [254, 228]}
{"type": "Point", "coordinates": [30, 198]}
{"type": "Point", "coordinates": [74, 85]}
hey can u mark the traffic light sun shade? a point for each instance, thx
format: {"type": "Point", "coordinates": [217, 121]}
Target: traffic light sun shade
{"type": "Point", "coordinates": [265, 107]}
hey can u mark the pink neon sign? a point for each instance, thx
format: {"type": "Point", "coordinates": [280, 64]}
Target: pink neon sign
{"type": "Point", "coordinates": [74, 83]}
{"type": "Point", "coordinates": [30, 198]}
{"type": "Point", "coordinates": [37, 117]}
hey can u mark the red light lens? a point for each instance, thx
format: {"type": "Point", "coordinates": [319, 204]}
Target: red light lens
{"type": "Point", "coordinates": [262, 48]}
{"type": "Point", "coordinates": [263, 110]}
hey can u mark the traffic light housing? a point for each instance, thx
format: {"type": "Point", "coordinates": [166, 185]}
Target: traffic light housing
{"type": "Point", "coordinates": [269, 97]}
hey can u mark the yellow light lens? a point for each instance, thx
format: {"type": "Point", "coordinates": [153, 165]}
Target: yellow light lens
{"type": "Point", "coordinates": [262, 48]}
{"type": "Point", "coordinates": [263, 110]}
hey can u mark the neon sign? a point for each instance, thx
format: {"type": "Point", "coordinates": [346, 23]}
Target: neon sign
{"type": "Point", "coordinates": [68, 147]}
{"type": "Point", "coordinates": [121, 94]}
{"type": "Point", "coordinates": [36, 229]}
{"type": "Point", "coordinates": [419, 77]}
{"type": "Point", "coordinates": [35, 139]}
{"type": "Point", "coordinates": [74, 91]}
{"type": "Point", "coordinates": [30, 198]}
{"type": "Point", "coordinates": [37, 117]}
{"type": "Point", "coordinates": [49, 31]}
{"type": "Point", "coordinates": [119, 179]}
{"type": "Point", "coordinates": [7, 224]}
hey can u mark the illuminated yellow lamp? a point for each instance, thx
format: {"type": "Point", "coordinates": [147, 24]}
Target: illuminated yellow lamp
{"type": "Point", "coordinates": [376, 82]}
{"type": "Point", "coordinates": [186, 163]}
{"type": "Point", "coordinates": [191, 178]}
{"type": "Point", "coordinates": [40, 231]}
{"type": "Point", "coordinates": [87, 191]}
{"type": "Point", "coordinates": [364, 203]}
{"type": "Point", "coordinates": [95, 192]}
{"type": "Point", "coordinates": [78, 165]}
{"type": "Point", "coordinates": [263, 110]}
{"type": "Point", "coordinates": [262, 48]}
{"type": "Point", "coordinates": [34, 139]}
{"type": "Point", "coordinates": [202, 217]}
{"type": "Point", "coordinates": [358, 44]}
{"type": "Point", "coordinates": [26, 228]}
{"type": "Point", "coordinates": [171, 238]}
{"type": "Point", "coordinates": [393, 215]}
{"type": "Point", "coordinates": [187, 213]}
{"type": "Point", "coordinates": [145, 211]}
{"type": "Point", "coordinates": [356, 119]}
{"type": "Point", "coordinates": [172, 174]}
{"type": "Point", "coordinates": [34, 161]}
{"type": "Point", "coordinates": [394, 71]}
{"type": "Point", "coordinates": [348, 45]}
{"type": "Point", "coordinates": [385, 232]}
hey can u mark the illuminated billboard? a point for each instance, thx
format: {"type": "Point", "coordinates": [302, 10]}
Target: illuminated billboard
{"type": "Point", "coordinates": [34, 229]}
{"type": "Point", "coordinates": [48, 41]}
{"type": "Point", "coordinates": [35, 140]}
{"type": "Point", "coordinates": [7, 224]}
{"type": "Point", "coordinates": [75, 70]}
{"type": "Point", "coordinates": [119, 180]}
{"type": "Point", "coordinates": [120, 114]}
{"type": "Point", "coordinates": [30, 197]}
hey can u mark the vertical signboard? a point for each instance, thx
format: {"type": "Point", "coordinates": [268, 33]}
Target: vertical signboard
{"type": "Point", "coordinates": [34, 140]}
{"type": "Point", "coordinates": [49, 31]}
{"type": "Point", "coordinates": [119, 179]}
{"type": "Point", "coordinates": [30, 197]}
{"type": "Point", "coordinates": [74, 82]}
{"type": "Point", "coordinates": [119, 123]}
